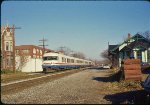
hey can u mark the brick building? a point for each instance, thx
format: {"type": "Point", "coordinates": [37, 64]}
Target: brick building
{"type": "Point", "coordinates": [31, 50]}
{"type": "Point", "coordinates": [12, 57]}
{"type": "Point", "coordinates": [7, 48]}
{"type": "Point", "coordinates": [29, 58]}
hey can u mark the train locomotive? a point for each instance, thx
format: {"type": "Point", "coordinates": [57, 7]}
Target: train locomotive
{"type": "Point", "coordinates": [59, 61]}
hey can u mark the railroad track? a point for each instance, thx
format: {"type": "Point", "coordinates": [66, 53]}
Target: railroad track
{"type": "Point", "coordinates": [15, 86]}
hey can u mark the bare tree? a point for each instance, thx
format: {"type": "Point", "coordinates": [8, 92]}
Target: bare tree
{"type": "Point", "coordinates": [68, 51]}
{"type": "Point", "coordinates": [104, 54]}
{"type": "Point", "coordinates": [64, 50]}
{"type": "Point", "coordinates": [107, 58]}
{"type": "Point", "coordinates": [79, 55]}
{"type": "Point", "coordinates": [23, 61]}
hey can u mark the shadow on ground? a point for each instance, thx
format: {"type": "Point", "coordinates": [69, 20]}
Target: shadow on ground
{"type": "Point", "coordinates": [130, 97]}
{"type": "Point", "coordinates": [112, 78]}
{"type": "Point", "coordinates": [146, 71]}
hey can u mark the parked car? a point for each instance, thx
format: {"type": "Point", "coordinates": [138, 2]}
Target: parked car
{"type": "Point", "coordinates": [106, 67]}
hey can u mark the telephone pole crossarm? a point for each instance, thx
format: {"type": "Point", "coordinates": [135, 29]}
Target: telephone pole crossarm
{"type": "Point", "coordinates": [43, 44]}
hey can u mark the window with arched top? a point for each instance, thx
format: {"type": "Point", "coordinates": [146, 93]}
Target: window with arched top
{"type": "Point", "coordinates": [11, 46]}
{"type": "Point", "coordinates": [7, 46]}
{"type": "Point", "coordinates": [41, 52]}
{"type": "Point", "coordinates": [34, 50]}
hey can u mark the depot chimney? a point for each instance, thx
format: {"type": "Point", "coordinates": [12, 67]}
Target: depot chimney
{"type": "Point", "coordinates": [129, 35]}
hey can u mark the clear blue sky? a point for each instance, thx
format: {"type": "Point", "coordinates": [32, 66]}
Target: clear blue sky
{"type": "Point", "coordinates": [84, 26]}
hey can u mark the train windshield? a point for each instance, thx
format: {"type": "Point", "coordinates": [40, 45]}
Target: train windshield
{"type": "Point", "coordinates": [50, 58]}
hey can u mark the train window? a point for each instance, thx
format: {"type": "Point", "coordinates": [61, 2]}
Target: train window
{"type": "Point", "coordinates": [79, 61]}
{"type": "Point", "coordinates": [75, 61]}
{"type": "Point", "coordinates": [63, 59]}
{"type": "Point", "coordinates": [50, 58]}
{"type": "Point", "coordinates": [68, 60]}
{"type": "Point", "coordinates": [72, 60]}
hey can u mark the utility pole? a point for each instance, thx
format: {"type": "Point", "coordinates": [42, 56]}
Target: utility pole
{"type": "Point", "coordinates": [43, 44]}
{"type": "Point", "coordinates": [13, 34]}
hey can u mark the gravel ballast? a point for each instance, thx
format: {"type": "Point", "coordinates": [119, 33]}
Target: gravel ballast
{"type": "Point", "coordinates": [78, 88]}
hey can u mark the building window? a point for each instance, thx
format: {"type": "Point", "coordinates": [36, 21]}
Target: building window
{"type": "Point", "coordinates": [7, 46]}
{"type": "Point", "coordinates": [41, 52]}
{"type": "Point", "coordinates": [11, 49]}
{"type": "Point", "coordinates": [34, 50]}
{"type": "Point", "coordinates": [25, 51]}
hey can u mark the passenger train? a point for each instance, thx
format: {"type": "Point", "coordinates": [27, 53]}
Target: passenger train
{"type": "Point", "coordinates": [55, 60]}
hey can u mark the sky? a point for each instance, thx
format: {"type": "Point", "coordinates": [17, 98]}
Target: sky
{"type": "Point", "coordinates": [82, 26]}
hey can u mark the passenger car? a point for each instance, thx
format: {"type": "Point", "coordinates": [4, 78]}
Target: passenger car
{"type": "Point", "coordinates": [56, 60]}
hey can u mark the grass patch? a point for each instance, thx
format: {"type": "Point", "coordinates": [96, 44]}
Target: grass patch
{"type": "Point", "coordinates": [7, 71]}
{"type": "Point", "coordinates": [10, 75]}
